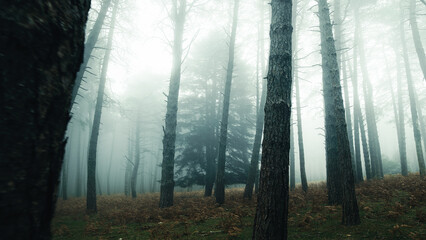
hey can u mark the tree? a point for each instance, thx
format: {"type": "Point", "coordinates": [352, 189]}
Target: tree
{"type": "Point", "coordinates": [220, 174]}
{"type": "Point", "coordinates": [178, 16]}
{"type": "Point", "coordinates": [89, 46]}
{"type": "Point", "coordinates": [338, 139]}
{"type": "Point", "coordinates": [91, 161]}
{"type": "Point", "coordinates": [37, 48]}
{"type": "Point", "coordinates": [373, 136]}
{"type": "Point", "coordinates": [254, 163]}
{"type": "Point", "coordinates": [272, 202]}
{"type": "Point", "coordinates": [413, 107]}
{"type": "Point", "coordinates": [134, 176]}
{"type": "Point", "coordinates": [416, 37]}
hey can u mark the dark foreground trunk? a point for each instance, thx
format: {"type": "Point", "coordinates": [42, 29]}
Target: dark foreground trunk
{"type": "Point", "coordinates": [333, 93]}
{"type": "Point", "coordinates": [41, 48]}
{"type": "Point", "coordinates": [272, 203]}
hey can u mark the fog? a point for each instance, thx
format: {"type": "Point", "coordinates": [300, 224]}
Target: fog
{"type": "Point", "coordinates": [139, 72]}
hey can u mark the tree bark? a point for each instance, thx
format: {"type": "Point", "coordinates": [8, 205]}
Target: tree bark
{"type": "Point", "coordinates": [41, 48]}
{"type": "Point", "coordinates": [91, 161]}
{"type": "Point", "coordinates": [89, 45]}
{"type": "Point", "coordinates": [333, 94]}
{"type": "Point", "coordinates": [416, 38]}
{"type": "Point", "coordinates": [413, 107]}
{"type": "Point", "coordinates": [220, 175]}
{"type": "Point", "coordinates": [169, 139]}
{"type": "Point", "coordinates": [272, 202]}
{"type": "Point", "coordinates": [134, 177]}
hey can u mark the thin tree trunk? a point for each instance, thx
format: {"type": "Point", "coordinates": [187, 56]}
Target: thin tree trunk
{"type": "Point", "coordinates": [333, 93]}
{"type": "Point", "coordinates": [79, 176]}
{"type": "Point", "coordinates": [91, 162]}
{"type": "Point", "coordinates": [292, 158]}
{"type": "Point", "coordinates": [39, 60]}
{"type": "Point", "coordinates": [110, 164]}
{"type": "Point", "coordinates": [272, 201]}
{"type": "Point", "coordinates": [413, 107]}
{"type": "Point", "coordinates": [220, 175]}
{"type": "Point", "coordinates": [373, 137]}
{"type": "Point", "coordinates": [89, 45]}
{"type": "Point", "coordinates": [135, 170]}
{"type": "Point", "coordinates": [129, 164]}
{"type": "Point", "coordinates": [416, 38]}
{"type": "Point", "coordinates": [169, 139]}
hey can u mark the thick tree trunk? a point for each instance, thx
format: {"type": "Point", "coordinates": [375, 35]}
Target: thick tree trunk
{"type": "Point", "coordinates": [220, 175]}
{"type": "Point", "coordinates": [40, 53]}
{"type": "Point", "coordinates": [272, 202]}
{"type": "Point", "coordinates": [91, 161]}
{"type": "Point", "coordinates": [89, 45]}
{"type": "Point", "coordinates": [373, 136]}
{"type": "Point", "coordinates": [134, 177]}
{"type": "Point", "coordinates": [64, 180]}
{"type": "Point", "coordinates": [416, 37]}
{"type": "Point", "coordinates": [413, 107]}
{"type": "Point", "coordinates": [169, 139]}
{"type": "Point", "coordinates": [333, 93]}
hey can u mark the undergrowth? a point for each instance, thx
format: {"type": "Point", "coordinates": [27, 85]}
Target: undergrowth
{"type": "Point", "coordinates": [391, 208]}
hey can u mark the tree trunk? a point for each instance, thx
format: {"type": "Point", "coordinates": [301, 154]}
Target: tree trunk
{"type": "Point", "coordinates": [91, 162]}
{"type": "Point", "coordinates": [272, 202]}
{"type": "Point", "coordinates": [79, 176]}
{"type": "Point", "coordinates": [110, 164]}
{"type": "Point", "coordinates": [416, 37]}
{"type": "Point", "coordinates": [413, 107]}
{"type": "Point", "coordinates": [373, 137]}
{"type": "Point", "coordinates": [37, 48]}
{"type": "Point", "coordinates": [169, 139]}
{"type": "Point", "coordinates": [292, 158]}
{"type": "Point", "coordinates": [65, 165]}
{"type": "Point", "coordinates": [339, 46]}
{"type": "Point", "coordinates": [254, 163]}
{"type": "Point", "coordinates": [129, 164]}
{"type": "Point", "coordinates": [134, 177]}
{"type": "Point", "coordinates": [333, 98]}
{"type": "Point", "coordinates": [220, 175]}
{"type": "Point", "coordinates": [91, 41]}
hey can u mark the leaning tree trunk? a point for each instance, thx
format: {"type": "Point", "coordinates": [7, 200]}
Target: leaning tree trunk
{"type": "Point", "coordinates": [339, 46]}
{"type": "Point", "coordinates": [413, 107]}
{"type": "Point", "coordinates": [373, 136]}
{"type": "Point", "coordinates": [416, 37]}
{"type": "Point", "coordinates": [40, 53]}
{"type": "Point", "coordinates": [333, 93]}
{"type": "Point", "coordinates": [169, 139]}
{"type": "Point", "coordinates": [272, 201]}
{"type": "Point", "coordinates": [91, 41]}
{"type": "Point", "coordinates": [254, 164]}
{"type": "Point", "coordinates": [93, 144]}
{"type": "Point", "coordinates": [220, 175]}
{"type": "Point", "coordinates": [134, 176]}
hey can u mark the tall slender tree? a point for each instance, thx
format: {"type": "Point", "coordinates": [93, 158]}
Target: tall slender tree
{"type": "Point", "coordinates": [220, 175]}
{"type": "Point", "coordinates": [254, 163]}
{"type": "Point", "coordinates": [411, 94]}
{"type": "Point", "coordinates": [89, 46]}
{"type": "Point", "coordinates": [40, 53]}
{"type": "Point", "coordinates": [272, 202]}
{"type": "Point", "coordinates": [416, 37]}
{"type": "Point", "coordinates": [93, 144]}
{"type": "Point", "coordinates": [134, 176]}
{"type": "Point", "coordinates": [178, 16]}
{"type": "Point", "coordinates": [334, 104]}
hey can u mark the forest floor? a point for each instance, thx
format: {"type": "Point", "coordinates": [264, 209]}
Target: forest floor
{"type": "Point", "coordinates": [391, 208]}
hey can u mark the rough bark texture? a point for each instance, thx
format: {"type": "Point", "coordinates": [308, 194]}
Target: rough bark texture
{"type": "Point", "coordinates": [93, 144]}
{"type": "Point", "coordinates": [89, 45]}
{"type": "Point", "coordinates": [272, 202]}
{"type": "Point", "coordinates": [413, 107]}
{"type": "Point", "coordinates": [416, 37]}
{"type": "Point", "coordinates": [331, 82]}
{"type": "Point", "coordinates": [220, 175]}
{"type": "Point", "coordinates": [373, 136]}
{"type": "Point", "coordinates": [41, 48]}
